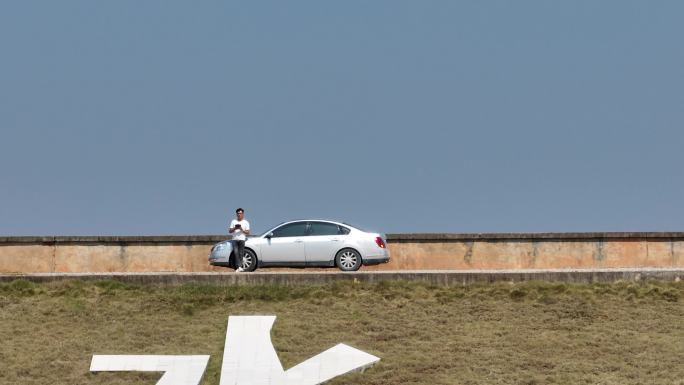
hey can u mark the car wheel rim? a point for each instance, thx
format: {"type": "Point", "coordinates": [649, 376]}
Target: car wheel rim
{"type": "Point", "coordinates": [348, 259]}
{"type": "Point", "coordinates": [246, 261]}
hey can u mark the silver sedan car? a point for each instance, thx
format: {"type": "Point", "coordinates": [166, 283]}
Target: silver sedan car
{"type": "Point", "coordinates": [308, 242]}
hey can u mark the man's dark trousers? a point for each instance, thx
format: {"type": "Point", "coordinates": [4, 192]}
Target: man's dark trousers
{"type": "Point", "coordinates": [239, 253]}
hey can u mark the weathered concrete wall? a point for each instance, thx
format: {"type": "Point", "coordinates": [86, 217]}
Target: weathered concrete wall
{"type": "Point", "coordinates": [432, 277]}
{"type": "Point", "coordinates": [26, 255]}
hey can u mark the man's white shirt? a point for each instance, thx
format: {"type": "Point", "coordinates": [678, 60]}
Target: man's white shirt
{"type": "Point", "coordinates": [238, 234]}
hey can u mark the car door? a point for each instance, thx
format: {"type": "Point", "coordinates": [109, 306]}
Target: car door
{"type": "Point", "coordinates": [286, 245]}
{"type": "Point", "coordinates": [323, 241]}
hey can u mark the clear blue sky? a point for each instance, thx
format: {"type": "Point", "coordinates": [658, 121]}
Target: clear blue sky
{"type": "Point", "coordinates": [161, 117]}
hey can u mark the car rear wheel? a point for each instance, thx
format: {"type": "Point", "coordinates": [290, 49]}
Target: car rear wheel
{"type": "Point", "coordinates": [249, 261]}
{"type": "Point", "coordinates": [348, 260]}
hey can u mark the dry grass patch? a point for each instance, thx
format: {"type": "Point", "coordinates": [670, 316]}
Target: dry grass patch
{"type": "Point", "coordinates": [528, 333]}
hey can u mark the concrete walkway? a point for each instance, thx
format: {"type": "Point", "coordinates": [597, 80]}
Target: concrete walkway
{"type": "Point", "coordinates": [435, 277]}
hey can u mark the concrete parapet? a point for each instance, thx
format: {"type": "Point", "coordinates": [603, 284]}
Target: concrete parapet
{"type": "Point", "coordinates": [437, 277]}
{"type": "Point", "coordinates": [95, 254]}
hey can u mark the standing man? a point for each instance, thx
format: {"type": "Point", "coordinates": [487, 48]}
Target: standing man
{"type": "Point", "coordinates": [240, 229]}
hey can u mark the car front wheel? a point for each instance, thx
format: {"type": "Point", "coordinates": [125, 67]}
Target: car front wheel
{"type": "Point", "coordinates": [348, 260]}
{"type": "Point", "coordinates": [249, 261]}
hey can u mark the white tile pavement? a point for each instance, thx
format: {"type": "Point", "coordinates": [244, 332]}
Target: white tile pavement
{"type": "Point", "coordinates": [178, 370]}
{"type": "Point", "coordinates": [249, 357]}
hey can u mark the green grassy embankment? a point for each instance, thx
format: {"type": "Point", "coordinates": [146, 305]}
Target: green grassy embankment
{"type": "Point", "coordinates": [528, 333]}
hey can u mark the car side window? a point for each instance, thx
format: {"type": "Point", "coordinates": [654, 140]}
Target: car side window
{"type": "Point", "coordinates": [324, 228]}
{"type": "Point", "coordinates": [343, 230]}
{"type": "Point", "coordinates": [297, 229]}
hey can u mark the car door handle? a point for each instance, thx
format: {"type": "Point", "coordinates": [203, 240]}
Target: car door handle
{"type": "Point", "coordinates": [335, 240]}
{"type": "Point", "coordinates": [298, 241]}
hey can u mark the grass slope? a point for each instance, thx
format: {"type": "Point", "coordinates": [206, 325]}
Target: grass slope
{"type": "Point", "coordinates": [527, 333]}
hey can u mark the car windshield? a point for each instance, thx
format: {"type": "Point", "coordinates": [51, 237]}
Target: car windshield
{"type": "Point", "coordinates": [269, 229]}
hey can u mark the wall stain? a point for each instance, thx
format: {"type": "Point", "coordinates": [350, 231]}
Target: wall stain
{"type": "Point", "coordinates": [599, 255]}
{"type": "Point", "coordinates": [53, 266]}
{"type": "Point", "coordinates": [123, 256]}
{"type": "Point", "coordinates": [468, 257]}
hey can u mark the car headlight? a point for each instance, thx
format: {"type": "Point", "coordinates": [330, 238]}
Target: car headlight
{"type": "Point", "coordinates": [220, 246]}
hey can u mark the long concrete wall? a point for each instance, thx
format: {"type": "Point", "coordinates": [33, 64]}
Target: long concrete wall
{"type": "Point", "coordinates": [431, 277]}
{"type": "Point", "coordinates": [69, 254]}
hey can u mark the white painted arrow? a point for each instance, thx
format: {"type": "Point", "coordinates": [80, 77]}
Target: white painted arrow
{"type": "Point", "coordinates": [178, 370]}
{"type": "Point", "coordinates": [250, 359]}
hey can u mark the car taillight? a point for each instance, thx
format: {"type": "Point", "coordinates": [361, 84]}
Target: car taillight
{"type": "Point", "coordinates": [380, 242]}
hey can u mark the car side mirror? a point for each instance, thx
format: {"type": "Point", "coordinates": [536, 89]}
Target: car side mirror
{"type": "Point", "coordinates": [269, 235]}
